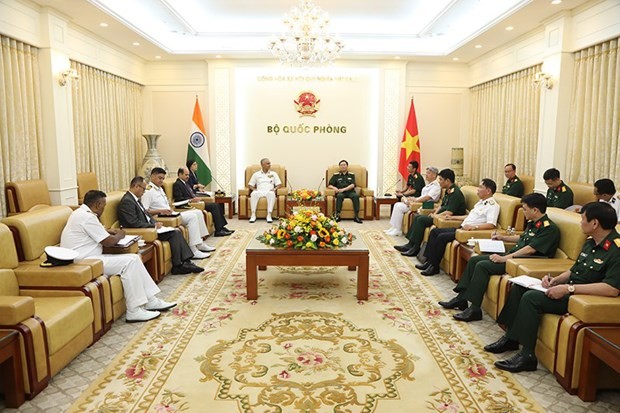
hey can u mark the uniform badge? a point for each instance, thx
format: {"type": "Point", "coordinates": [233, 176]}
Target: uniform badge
{"type": "Point", "coordinates": [598, 261]}
{"type": "Point", "coordinates": [149, 186]}
{"type": "Point", "coordinates": [606, 245]}
{"type": "Point", "coordinates": [307, 104]}
{"type": "Point", "coordinates": [538, 224]}
{"type": "Point", "coordinates": [546, 223]}
{"type": "Point", "coordinates": [449, 191]}
{"type": "Point", "coordinates": [531, 233]}
{"type": "Point", "coordinates": [491, 202]}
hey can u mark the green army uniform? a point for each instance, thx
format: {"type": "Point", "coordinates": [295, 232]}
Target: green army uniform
{"type": "Point", "coordinates": [415, 181]}
{"type": "Point", "coordinates": [560, 197]}
{"type": "Point", "coordinates": [453, 201]}
{"type": "Point", "coordinates": [524, 308]}
{"type": "Point", "coordinates": [342, 180]}
{"type": "Point", "coordinates": [543, 235]}
{"type": "Point", "coordinates": [513, 187]}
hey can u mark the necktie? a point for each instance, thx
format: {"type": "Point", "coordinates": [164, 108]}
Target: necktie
{"type": "Point", "coordinates": [191, 191]}
{"type": "Point", "coordinates": [146, 214]}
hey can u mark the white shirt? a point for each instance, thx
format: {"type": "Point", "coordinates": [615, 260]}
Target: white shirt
{"type": "Point", "coordinates": [433, 190]}
{"type": "Point", "coordinates": [84, 233]}
{"type": "Point", "coordinates": [484, 212]}
{"type": "Point", "coordinates": [615, 203]}
{"type": "Point", "coordinates": [155, 198]}
{"type": "Point", "coordinates": [264, 181]}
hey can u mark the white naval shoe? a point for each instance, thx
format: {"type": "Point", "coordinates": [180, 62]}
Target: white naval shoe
{"type": "Point", "coordinates": [269, 219]}
{"type": "Point", "coordinates": [157, 304]}
{"type": "Point", "coordinates": [204, 247]}
{"type": "Point", "coordinates": [387, 231]}
{"type": "Point", "coordinates": [198, 255]}
{"type": "Point", "coordinates": [140, 314]}
{"type": "Point", "coordinates": [252, 219]}
{"type": "Point", "coordinates": [394, 232]}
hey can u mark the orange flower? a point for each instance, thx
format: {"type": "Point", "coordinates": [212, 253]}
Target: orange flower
{"type": "Point", "coordinates": [321, 244]}
{"type": "Point", "coordinates": [327, 238]}
{"type": "Point", "coordinates": [289, 243]}
{"type": "Point", "coordinates": [300, 238]}
{"type": "Point", "coordinates": [287, 236]}
{"type": "Point", "coordinates": [332, 230]}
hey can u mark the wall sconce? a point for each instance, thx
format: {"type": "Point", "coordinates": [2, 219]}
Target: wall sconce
{"type": "Point", "coordinates": [65, 76]}
{"type": "Point", "coordinates": [543, 79]}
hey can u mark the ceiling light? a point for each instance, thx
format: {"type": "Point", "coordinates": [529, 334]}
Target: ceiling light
{"type": "Point", "coordinates": [103, 24]}
{"type": "Point", "coordinates": [136, 44]}
{"type": "Point", "coordinates": [509, 28]}
{"type": "Point", "coordinates": [158, 57]}
{"type": "Point", "coordinates": [307, 41]}
{"type": "Point", "coordinates": [478, 46]}
{"type": "Point", "coordinates": [556, 2]}
{"type": "Point", "coordinates": [456, 59]}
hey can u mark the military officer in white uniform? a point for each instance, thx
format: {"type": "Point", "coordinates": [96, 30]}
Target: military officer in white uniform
{"type": "Point", "coordinates": [605, 191]}
{"type": "Point", "coordinates": [264, 184]}
{"type": "Point", "coordinates": [431, 192]}
{"type": "Point", "coordinates": [85, 234]}
{"type": "Point", "coordinates": [156, 202]}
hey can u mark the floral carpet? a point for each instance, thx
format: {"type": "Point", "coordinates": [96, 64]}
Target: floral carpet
{"type": "Point", "coordinates": [306, 345]}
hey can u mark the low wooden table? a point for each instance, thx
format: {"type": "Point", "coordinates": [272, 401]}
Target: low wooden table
{"type": "Point", "coordinates": [600, 344]}
{"type": "Point", "coordinates": [259, 256]}
{"type": "Point", "coordinates": [11, 372]}
{"type": "Point", "coordinates": [292, 203]}
{"type": "Point", "coordinates": [384, 201]}
{"type": "Point", "coordinates": [226, 200]}
{"type": "Point", "coordinates": [462, 258]}
{"type": "Point", "coordinates": [147, 255]}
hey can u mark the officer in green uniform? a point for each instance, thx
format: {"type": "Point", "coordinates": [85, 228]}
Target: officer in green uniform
{"type": "Point", "coordinates": [514, 186]}
{"type": "Point", "coordinates": [343, 183]}
{"type": "Point", "coordinates": [540, 238]}
{"type": "Point", "coordinates": [559, 195]}
{"type": "Point", "coordinates": [452, 203]}
{"type": "Point", "coordinates": [415, 181]}
{"type": "Point", "coordinates": [596, 272]}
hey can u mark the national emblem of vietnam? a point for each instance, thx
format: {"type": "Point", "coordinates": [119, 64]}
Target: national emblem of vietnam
{"type": "Point", "coordinates": [307, 104]}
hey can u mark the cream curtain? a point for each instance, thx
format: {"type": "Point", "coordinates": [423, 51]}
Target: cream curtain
{"type": "Point", "coordinates": [21, 136]}
{"type": "Point", "coordinates": [594, 133]}
{"type": "Point", "coordinates": [107, 121]}
{"type": "Point", "coordinates": [504, 126]}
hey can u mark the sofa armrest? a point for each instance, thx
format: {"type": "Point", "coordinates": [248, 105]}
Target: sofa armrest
{"type": "Point", "coordinates": [72, 275]}
{"type": "Point", "coordinates": [15, 309]}
{"type": "Point", "coordinates": [441, 222]}
{"type": "Point", "coordinates": [170, 221]}
{"type": "Point", "coordinates": [147, 234]}
{"type": "Point", "coordinates": [329, 192]}
{"type": "Point", "coordinates": [536, 266]}
{"type": "Point", "coordinates": [368, 192]}
{"type": "Point", "coordinates": [595, 309]}
{"type": "Point", "coordinates": [244, 192]}
{"type": "Point", "coordinates": [198, 205]}
{"type": "Point", "coordinates": [282, 192]}
{"type": "Point", "coordinates": [463, 236]}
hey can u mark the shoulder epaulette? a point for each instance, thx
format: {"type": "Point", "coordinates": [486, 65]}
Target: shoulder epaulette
{"type": "Point", "coordinates": [491, 202]}
{"type": "Point", "coordinates": [563, 189]}
{"type": "Point", "coordinates": [149, 186]}
{"type": "Point", "coordinates": [617, 242]}
{"type": "Point", "coordinates": [546, 223]}
{"type": "Point", "coordinates": [350, 173]}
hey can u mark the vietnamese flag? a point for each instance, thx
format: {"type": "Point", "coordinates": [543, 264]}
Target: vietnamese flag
{"type": "Point", "coordinates": [410, 146]}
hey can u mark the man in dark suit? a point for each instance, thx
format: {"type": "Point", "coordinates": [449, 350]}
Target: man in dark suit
{"type": "Point", "coordinates": [181, 190]}
{"type": "Point", "coordinates": [131, 214]}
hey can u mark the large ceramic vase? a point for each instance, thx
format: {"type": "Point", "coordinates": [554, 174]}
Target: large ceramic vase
{"type": "Point", "coordinates": [152, 157]}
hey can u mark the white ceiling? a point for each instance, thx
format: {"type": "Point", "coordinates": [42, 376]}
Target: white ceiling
{"type": "Point", "coordinates": [410, 29]}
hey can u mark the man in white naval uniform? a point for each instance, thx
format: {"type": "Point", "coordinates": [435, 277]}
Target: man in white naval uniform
{"type": "Point", "coordinates": [156, 202]}
{"type": "Point", "coordinates": [431, 192]}
{"type": "Point", "coordinates": [86, 235]}
{"type": "Point", "coordinates": [264, 184]}
{"type": "Point", "coordinates": [605, 191]}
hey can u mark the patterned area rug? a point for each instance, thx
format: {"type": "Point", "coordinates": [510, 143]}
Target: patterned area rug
{"type": "Point", "coordinates": [306, 345]}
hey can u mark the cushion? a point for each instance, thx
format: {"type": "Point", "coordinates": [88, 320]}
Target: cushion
{"type": "Point", "coordinates": [64, 318]}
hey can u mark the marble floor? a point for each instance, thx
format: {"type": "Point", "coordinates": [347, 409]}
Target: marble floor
{"type": "Point", "coordinates": [67, 385]}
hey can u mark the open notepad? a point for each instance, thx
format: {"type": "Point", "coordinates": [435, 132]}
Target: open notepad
{"type": "Point", "coordinates": [127, 240]}
{"type": "Point", "coordinates": [491, 245]}
{"type": "Point", "coordinates": [528, 282]}
{"type": "Point", "coordinates": [164, 229]}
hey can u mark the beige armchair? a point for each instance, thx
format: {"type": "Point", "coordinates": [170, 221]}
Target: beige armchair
{"type": "Point", "coordinates": [367, 196]}
{"type": "Point", "coordinates": [24, 196]}
{"type": "Point", "coordinates": [86, 181]}
{"type": "Point", "coordinates": [582, 193]}
{"type": "Point", "coordinates": [261, 209]}
{"type": "Point", "coordinates": [55, 323]}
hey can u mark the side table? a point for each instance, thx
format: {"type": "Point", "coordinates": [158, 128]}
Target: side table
{"type": "Point", "coordinates": [226, 200]}
{"type": "Point", "coordinates": [384, 201]}
{"type": "Point", "coordinates": [11, 368]}
{"type": "Point", "coordinates": [600, 345]}
{"type": "Point", "coordinates": [147, 255]}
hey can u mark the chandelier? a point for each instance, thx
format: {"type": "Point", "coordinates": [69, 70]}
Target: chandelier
{"type": "Point", "coordinates": [307, 42]}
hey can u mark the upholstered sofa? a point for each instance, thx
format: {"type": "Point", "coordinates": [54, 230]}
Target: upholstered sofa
{"type": "Point", "coordinates": [32, 232]}
{"type": "Point", "coordinates": [86, 181]}
{"type": "Point", "coordinates": [261, 208]}
{"type": "Point", "coordinates": [367, 196]}
{"type": "Point", "coordinates": [24, 196]}
{"type": "Point", "coordinates": [168, 189]}
{"type": "Point", "coordinates": [582, 193]}
{"type": "Point", "coordinates": [55, 323]}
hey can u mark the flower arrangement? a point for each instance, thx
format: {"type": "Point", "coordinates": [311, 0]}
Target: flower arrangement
{"type": "Point", "coordinates": [306, 230]}
{"type": "Point", "coordinates": [305, 194]}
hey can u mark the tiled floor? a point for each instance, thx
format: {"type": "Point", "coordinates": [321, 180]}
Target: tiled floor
{"type": "Point", "coordinates": [73, 379]}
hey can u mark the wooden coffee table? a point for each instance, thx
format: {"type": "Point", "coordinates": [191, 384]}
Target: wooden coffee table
{"type": "Point", "coordinates": [259, 256]}
{"type": "Point", "coordinates": [600, 345]}
{"type": "Point", "coordinates": [11, 368]}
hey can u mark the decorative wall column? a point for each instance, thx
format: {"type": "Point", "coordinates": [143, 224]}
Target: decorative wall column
{"type": "Point", "coordinates": [59, 149]}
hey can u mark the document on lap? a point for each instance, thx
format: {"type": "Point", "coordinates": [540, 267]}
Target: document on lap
{"type": "Point", "coordinates": [491, 245]}
{"type": "Point", "coordinates": [127, 240]}
{"type": "Point", "coordinates": [164, 229]}
{"type": "Point", "coordinates": [528, 282]}
{"type": "Point", "coordinates": [204, 193]}
{"type": "Point", "coordinates": [180, 203]}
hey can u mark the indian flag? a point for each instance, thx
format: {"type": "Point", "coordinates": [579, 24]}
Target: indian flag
{"type": "Point", "coordinates": [198, 147]}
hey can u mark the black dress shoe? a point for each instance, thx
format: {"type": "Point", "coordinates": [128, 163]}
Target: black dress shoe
{"type": "Point", "coordinates": [502, 345]}
{"type": "Point", "coordinates": [431, 270]}
{"type": "Point", "coordinates": [456, 302]}
{"type": "Point", "coordinates": [221, 233]}
{"type": "Point", "coordinates": [230, 231]}
{"type": "Point", "coordinates": [337, 218]}
{"type": "Point", "coordinates": [518, 362]}
{"type": "Point", "coordinates": [412, 252]}
{"type": "Point", "coordinates": [356, 219]}
{"type": "Point", "coordinates": [471, 314]}
{"type": "Point", "coordinates": [181, 269]}
{"type": "Point", "coordinates": [192, 267]}
{"type": "Point", "coordinates": [403, 248]}
{"type": "Point", "coordinates": [423, 266]}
